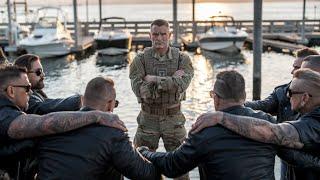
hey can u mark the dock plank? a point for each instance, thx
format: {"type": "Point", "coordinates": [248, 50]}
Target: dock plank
{"type": "Point", "coordinates": [278, 45]}
{"type": "Point", "coordinates": [84, 43]}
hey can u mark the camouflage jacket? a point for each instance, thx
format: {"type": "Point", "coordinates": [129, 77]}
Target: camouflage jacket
{"type": "Point", "coordinates": [150, 63]}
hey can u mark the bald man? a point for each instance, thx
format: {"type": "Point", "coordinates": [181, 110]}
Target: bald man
{"type": "Point", "coordinates": [93, 152]}
{"type": "Point", "coordinates": [302, 133]}
{"type": "Point", "coordinates": [277, 103]}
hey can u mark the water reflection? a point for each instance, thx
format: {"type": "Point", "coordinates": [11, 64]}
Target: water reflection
{"type": "Point", "coordinates": [198, 100]}
{"type": "Point", "coordinates": [224, 60]}
{"type": "Point", "coordinates": [65, 77]}
{"type": "Point", "coordinates": [54, 66]}
{"type": "Point", "coordinates": [107, 60]}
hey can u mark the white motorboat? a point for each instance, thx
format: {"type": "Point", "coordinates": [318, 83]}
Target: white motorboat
{"type": "Point", "coordinates": [111, 36]}
{"type": "Point", "coordinates": [223, 36]}
{"type": "Point", "coordinates": [50, 37]}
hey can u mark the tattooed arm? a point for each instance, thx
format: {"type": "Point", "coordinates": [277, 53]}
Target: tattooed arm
{"type": "Point", "coordinates": [282, 134]}
{"type": "Point", "coordinates": [29, 125]}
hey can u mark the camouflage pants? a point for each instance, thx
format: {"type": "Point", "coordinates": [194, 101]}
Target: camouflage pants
{"type": "Point", "coordinates": [168, 127]}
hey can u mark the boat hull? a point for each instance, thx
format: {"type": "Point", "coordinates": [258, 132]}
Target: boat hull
{"type": "Point", "coordinates": [115, 43]}
{"type": "Point", "coordinates": [49, 50]}
{"type": "Point", "coordinates": [111, 60]}
{"type": "Point", "coordinates": [222, 44]}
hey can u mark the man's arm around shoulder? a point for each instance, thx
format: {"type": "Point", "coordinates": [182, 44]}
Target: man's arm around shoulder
{"type": "Point", "coordinates": [282, 134]}
{"type": "Point", "coordinates": [30, 125]}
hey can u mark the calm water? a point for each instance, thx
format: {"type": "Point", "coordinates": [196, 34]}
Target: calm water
{"type": "Point", "coordinates": [65, 77]}
{"type": "Point", "coordinates": [148, 12]}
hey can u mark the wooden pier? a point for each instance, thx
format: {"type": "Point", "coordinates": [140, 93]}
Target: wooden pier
{"type": "Point", "coordinates": [278, 35]}
{"type": "Point", "coordinates": [276, 45]}
{"type": "Point", "coordinates": [84, 43]}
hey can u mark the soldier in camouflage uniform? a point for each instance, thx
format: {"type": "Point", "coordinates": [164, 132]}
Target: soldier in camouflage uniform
{"type": "Point", "coordinates": [159, 78]}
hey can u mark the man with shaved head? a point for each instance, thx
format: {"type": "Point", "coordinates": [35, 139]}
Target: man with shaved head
{"type": "Point", "coordinates": [93, 152]}
{"type": "Point", "coordinates": [302, 133]}
{"type": "Point", "coordinates": [278, 104]}
{"type": "Point", "coordinates": [18, 130]}
{"type": "Point", "coordinates": [99, 91]}
{"type": "Point", "coordinates": [221, 153]}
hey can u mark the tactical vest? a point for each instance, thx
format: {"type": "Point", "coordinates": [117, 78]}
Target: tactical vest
{"type": "Point", "coordinates": [155, 67]}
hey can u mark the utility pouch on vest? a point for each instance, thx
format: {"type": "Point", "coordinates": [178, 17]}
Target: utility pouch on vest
{"type": "Point", "coordinates": [163, 69]}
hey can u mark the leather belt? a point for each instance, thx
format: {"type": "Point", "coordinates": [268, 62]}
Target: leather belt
{"type": "Point", "coordinates": [160, 110]}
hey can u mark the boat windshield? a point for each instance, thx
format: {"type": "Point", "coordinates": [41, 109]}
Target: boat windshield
{"type": "Point", "coordinates": [47, 22]}
{"type": "Point", "coordinates": [116, 30]}
{"type": "Point", "coordinates": [116, 24]}
{"type": "Point", "coordinates": [222, 20]}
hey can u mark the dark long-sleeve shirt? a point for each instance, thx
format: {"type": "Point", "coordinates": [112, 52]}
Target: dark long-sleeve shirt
{"type": "Point", "coordinates": [40, 104]}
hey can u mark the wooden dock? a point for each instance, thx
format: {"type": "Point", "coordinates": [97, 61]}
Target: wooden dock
{"type": "Point", "coordinates": [282, 43]}
{"type": "Point", "coordinates": [84, 43]}
{"type": "Point", "coordinates": [279, 35]}
{"type": "Point", "coordinates": [276, 45]}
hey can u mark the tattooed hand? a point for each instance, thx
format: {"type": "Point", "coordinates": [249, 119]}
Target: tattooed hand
{"type": "Point", "coordinates": [206, 120]}
{"type": "Point", "coordinates": [111, 120]}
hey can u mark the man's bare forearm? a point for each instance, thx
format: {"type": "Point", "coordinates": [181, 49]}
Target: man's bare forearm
{"type": "Point", "coordinates": [282, 134]}
{"type": "Point", "coordinates": [27, 126]}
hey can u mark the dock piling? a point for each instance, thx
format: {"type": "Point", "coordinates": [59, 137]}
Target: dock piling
{"type": "Point", "coordinates": [75, 18]}
{"type": "Point", "coordinates": [9, 23]}
{"type": "Point", "coordinates": [257, 49]}
{"type": "Point", "coordinates": [303, 22]}
{"type": "Point", "coordinates": [175, 22]}
{"type": "Point", "coordinates": [194, 31]}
